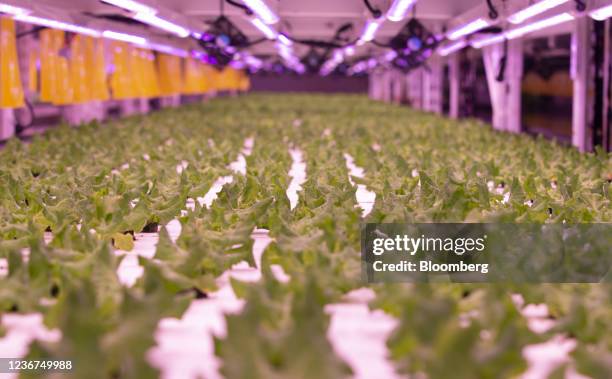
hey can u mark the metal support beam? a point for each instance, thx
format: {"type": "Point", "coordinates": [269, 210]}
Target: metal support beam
{"type": "Point", "coordinates": [414, 88]}
{"type": "Point", "coordinates": [7, 123]}
{"type": "Point", "coordinates": [453, 73]}
{"type": "Point", "coordinates": [432, 85]}
{"type": "Point", "coordinates": [580, 67]}
{"type": "Point", "coordinates": [504, 82]}
{"type": "Point", "coordinates": [398, 87]}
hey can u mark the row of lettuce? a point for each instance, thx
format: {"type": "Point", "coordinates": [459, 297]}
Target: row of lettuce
{"type": "Point", "coordinates": [95, 185]}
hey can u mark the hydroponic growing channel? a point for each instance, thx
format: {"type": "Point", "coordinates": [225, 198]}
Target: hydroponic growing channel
{"type": "Point", "coordinates": [223, 240]}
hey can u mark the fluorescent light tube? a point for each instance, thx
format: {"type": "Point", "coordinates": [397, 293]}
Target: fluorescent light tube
{"type": "Point", "coordinates": [261, 9]}
{"type": "Point", "coordinates": [167, 49]}
{"type": "Point", "coordinates": [369, 31]}
{"type": "Point", "coordinates": [131, 5]}
{"type": "Point", "coordinates": [57, 25]}
{"type": "Point", "coordinates": [154, 20]}
{"type": "Point", "coordinates": [537, 25]}
{"type": "Point", "coordinates": [466, 29]}
{"type": "Point", "coordinates": [391, 55]}
{"type": "Point", "coordinates": [10, 9]}
{"type": "Point", "coordinates": [398, 9]}
{"type": "Point", "coordinates": [534, 10]}
{"type": "Point", "coordinates": [451, 48]}
{"type": "Point", "coordinates": [486, 41]}
{"type": "Point", "coordinates": [264, 28]}
{"type": "Point", "coordinates": [601, 13]}
{"type": "Point", "coordinates": [124, 37]}
{"type": "Point", "coordinates": [284, 40]}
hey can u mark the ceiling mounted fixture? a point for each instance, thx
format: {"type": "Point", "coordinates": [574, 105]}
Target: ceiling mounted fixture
{"type": "Point", "coordinates": [69, 27]}
{"type": "Point", "coordinates": [534, 10]}
{"type": "Point", "coordinates": [264, 28]}
{"type": "Point", "coordinates": [124, 37]}
{"type": "Point", "coordinates": [486, 41]}
{"type": "Point", "coordinates": [398, 10]}
{"type": "Point", "coordinates": [451, 48]}
{"type": "Point", "coordinates": [261, 9]}
{"type": "Point", "coordinates": [154, 20]}
{"type": "Point", "coordinates": [537, 25]}
{"type": "Point", "coordinates": [601, 13]}
{"type": "Point", "coordinates": [131, 5]}
{"type": "Point", "coordinates": [522, 30]}
{"type": "Point", "coordinates": [150, 16]}
{"type": "Point", "coordinates": [171, 50]}
{"type": "Point", "coordinates": [469, 28]}
{"type": "Point", "coordinates": [369, 31]}
{"type": "Point", "coordinates": [284, 40]}
{"type": "Point", "coordinates": [13, 10]}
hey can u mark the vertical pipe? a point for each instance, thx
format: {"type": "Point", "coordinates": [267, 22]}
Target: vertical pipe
{"type": "Point", "coordinates": [453, 70]}
{"type": "Point", "coordinates": [580, 75]}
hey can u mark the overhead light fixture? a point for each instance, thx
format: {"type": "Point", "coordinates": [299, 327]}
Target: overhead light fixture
{"type": "Point", "coordinates": [57, 25]}
{"type": "Point", "coordinates": [451, 48]}
{"type": "Point", "coordinates": [158, 22]}
{"type": "Point", "coordinates": [167, 49]}
{"type": "Point", "coordinates": [264, 28]}
{"type": "Point", "coordinates": [601, 13]}
{"type": "Point", "coordinates": [522, 30]}
{"type": "Point", "coordinates": [486, 41]}
{"type": "Point", "coordinates": [261, 9]}
{"type": "Point", "coordinates": [284, 40]}
{"type": "Point", "coordinates": [537, 25]}
{"type": "Point", "coordinates": [399, 9]}
{"type": "Point", "coordinates": [124, 37]}
{"type": "Point", "coordinates": [11, 9]}
{"type": "Point", "coordinates": [469, 28]}
{"type": "Point", "coordinates": [534, 10]}
{"type": "Point", "coordinates": [131, 5]}
{"type": "Point", "coordinates": [369, 31]}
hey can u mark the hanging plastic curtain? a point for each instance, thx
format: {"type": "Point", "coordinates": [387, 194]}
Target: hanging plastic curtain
{"type": "Point", "coordinates": [121, 80]}
{"type": "Point", "coordinates": [55, 84]}
{"type": "Point", "coordinates": [11, 93]}
{"type": "Point", "coordinates": [212, 76]}
{"type": "Point", "coordinates": [78, 69]}
{"type": "Point", "coordinates": [170, 74]}
{"type": "Point", "coordinates": [244, 82]}
{"type": "Point", "coordinates": [98, 68]}
{"type": "Point", "coordinates": [33, 71]}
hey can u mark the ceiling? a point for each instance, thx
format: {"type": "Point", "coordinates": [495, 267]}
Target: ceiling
{"type": "Point", "coordinates": [304, 19]}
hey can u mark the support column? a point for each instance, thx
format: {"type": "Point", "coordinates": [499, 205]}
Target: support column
{"type": "Point", "coordinates": [415, 88]}
{"type": "Point", "coordinates": [7, 123]}
{"type": "Point", "coordinates": [432, 86]}
{"type": "Point", "coordinates": [398, 87]}
{"type": "Point", "coordinates": [453, 73]}
{"type": "Point", "coordinates": [580, 67]}
{"type": "Point", "coordinates": [505, 94]}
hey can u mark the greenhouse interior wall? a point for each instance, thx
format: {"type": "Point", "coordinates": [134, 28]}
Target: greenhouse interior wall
{"type": "Point", "coordinates": [248, 189]}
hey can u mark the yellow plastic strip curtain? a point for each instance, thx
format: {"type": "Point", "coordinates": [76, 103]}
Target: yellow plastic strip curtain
{"type": "Point", "coordinates": [96, 61]}
{"type": "Point", "coordinates": [229, 79]}
{"type": "Point", "coordinates": [170, 74]}
{"type": "Point", "coordinates": [11, 93]}
{"type": "Point", "coordinates": [33, 72]}
{"type": "Point", "coordinates": [122, 81]}
{"type": "Point", "coordinates": [195, 81]}
{"type": "Point", "coordinates": [212, 78]}
{"type": "Point", "coordinates": [150, 74]}
{"type": "Point", "coordinates": [65, 94]}
{"type": "Point", "coordinates": [78, 69]}
{"type": "Point", "coordinates": [53, 87]}
{"type": "Point", "coordinates": [244, 82]}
